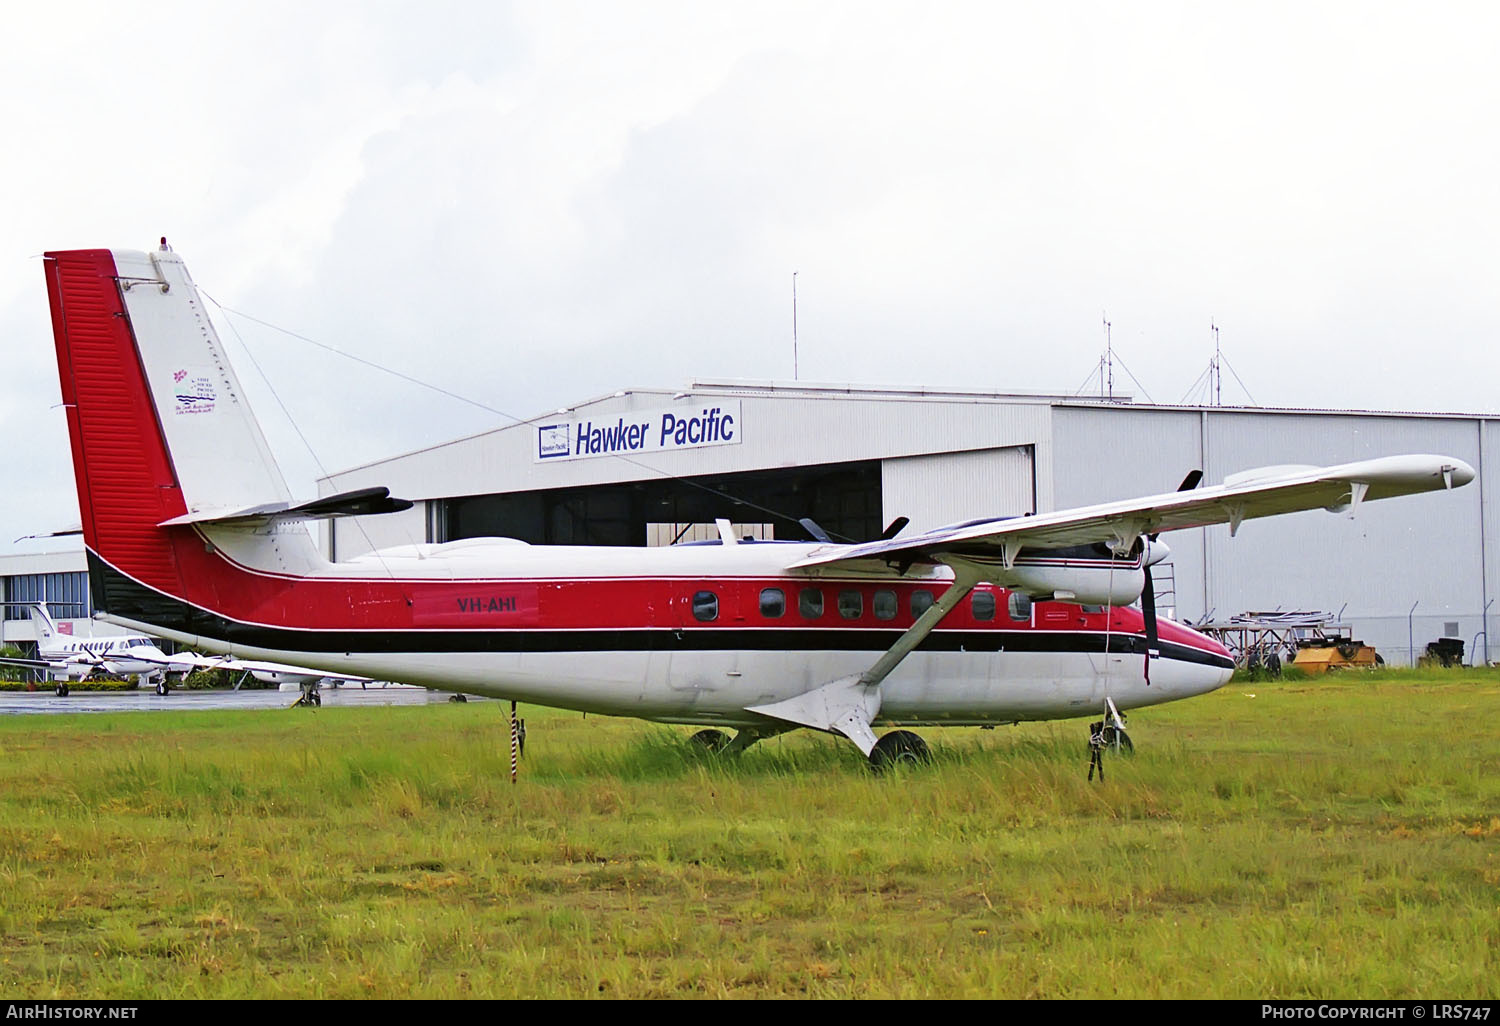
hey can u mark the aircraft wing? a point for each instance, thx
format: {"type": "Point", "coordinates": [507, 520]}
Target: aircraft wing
{"type": "Point", "coordinates": [182, 660]}
{"type": "Point", "coordinates": [33, 664]}
{"type": "Point", "coordinates": [255, 666]}
{"type": "Point", "coordinates": [1267, 492]}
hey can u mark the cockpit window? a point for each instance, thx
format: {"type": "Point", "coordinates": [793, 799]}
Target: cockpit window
{"type": "Point", "coordinates": [1019, 607]}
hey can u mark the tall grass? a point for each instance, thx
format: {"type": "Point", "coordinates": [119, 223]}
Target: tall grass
{"type": "Point", "coordinates": [1335, 838]}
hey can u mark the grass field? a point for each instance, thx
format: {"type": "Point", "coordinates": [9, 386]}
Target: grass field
{"type": "Point", "coordinates": [1272, 840]}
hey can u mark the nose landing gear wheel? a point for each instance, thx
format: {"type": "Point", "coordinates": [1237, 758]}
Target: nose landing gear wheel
{"type": "Point", "coordinates": [899, 748]}
{"type": "Point", "coordinates": [711, 741]}
{"type": "Point", "coordinates": [62, 690]}
{"type": "Point", "coordinates": [1118, 740]}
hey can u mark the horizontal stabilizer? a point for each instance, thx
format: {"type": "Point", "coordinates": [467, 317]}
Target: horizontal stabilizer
{"type": "Point", "coordinates": [362, 502]}
{"type": "Point", "coordinates": [66, 532]}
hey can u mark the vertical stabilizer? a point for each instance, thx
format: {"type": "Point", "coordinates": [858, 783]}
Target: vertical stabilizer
{"type": "Point", "coordinates": [159, 424]}
{"type": "Point", "coordinates": [45, 626]}
{"type": "Point", "coordinates": [218, 453]}
{"type": "Point", "coordinates": [126, 485]}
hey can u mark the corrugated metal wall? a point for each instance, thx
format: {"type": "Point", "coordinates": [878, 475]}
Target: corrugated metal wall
{"type": "Point", "coordinates": [1429, 551]}
{"type": "Point", "coordinates": [949, 487]}
{"type": "Point", "coordinates": [1119, 452]}
{"type": "Point", "coordinates": [1421, 551]}
{"type": "Point", "coordinates": [1488, 434]}
{"type": "Point", "coordinates": [958, 458]}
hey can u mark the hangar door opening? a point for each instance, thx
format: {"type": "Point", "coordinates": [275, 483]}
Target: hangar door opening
{"type": "Point", "coordinates": [844, 498]}
{"type": "Point", "coordinates": [950, 487]}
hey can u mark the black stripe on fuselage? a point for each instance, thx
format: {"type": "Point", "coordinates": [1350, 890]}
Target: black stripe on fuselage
{"type": "Point", "coordinates": [127, 598]}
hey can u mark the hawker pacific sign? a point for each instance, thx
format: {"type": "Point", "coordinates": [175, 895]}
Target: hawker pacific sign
{"type": "Point", "coordinates": [684, 426]}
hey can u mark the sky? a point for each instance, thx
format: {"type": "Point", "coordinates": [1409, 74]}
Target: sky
{"type": "Point", "coordinates": [532, 204]}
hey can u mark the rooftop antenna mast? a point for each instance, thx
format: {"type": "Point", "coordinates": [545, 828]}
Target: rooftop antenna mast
{"type": "Point", "coordinates": [1109, 360]}
{"type": "Point", "coordinates": [1208, 386]}
{"type": "Point", "coordinates": [1218, 374]}
{"type": "Point", "coordinates": [1105, 369]}
{"type": "Point", "coordinates": [796, 376]}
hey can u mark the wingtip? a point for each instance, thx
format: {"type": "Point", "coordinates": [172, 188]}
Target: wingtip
{"type": "Point", "coordinates": [1457, 473]}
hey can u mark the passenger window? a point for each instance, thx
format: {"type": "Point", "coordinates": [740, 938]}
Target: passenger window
{"type": "Point", "coordinates": [851, 605]}
{"type": "Point", "coordinates": [885, 605]}
{"type": "Point", "coordinates": [772, 603]}
{"type": "Point", "coordinates": [921, 601]}
{"type": "Point", "coordinates": [1020, 607]}
{"type": "Point", "coordinates": [983, 604]}
{"type": "Point", "coordinates": [705, 606]}
{"type": "Point", "coordinates": [1093, 609]}
{"type": "Point", "coordinates": [810, 603]}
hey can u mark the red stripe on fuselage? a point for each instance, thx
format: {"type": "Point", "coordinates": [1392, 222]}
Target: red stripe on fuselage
{"type": "Point", "coordinates": [239, 593]}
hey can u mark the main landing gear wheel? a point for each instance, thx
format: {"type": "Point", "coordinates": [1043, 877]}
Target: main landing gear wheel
{"type": "Point", "coordinates": [161, 687]}
{"type": "Point", "coordinates": [1118, 741]}
{"type": "Point", "coordinates": [62, 690]}
{"type": "Point", "coordinates": [899, 748]}
{"type": "Point", "coordinates": [711, 741]}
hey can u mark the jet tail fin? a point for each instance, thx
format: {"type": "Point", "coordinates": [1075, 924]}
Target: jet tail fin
{"type": "Point", "coordinates": [46, 627]}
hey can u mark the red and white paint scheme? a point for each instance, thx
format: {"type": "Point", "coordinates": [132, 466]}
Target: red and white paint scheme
{"type": "Point", "coordinates": [192, 535]}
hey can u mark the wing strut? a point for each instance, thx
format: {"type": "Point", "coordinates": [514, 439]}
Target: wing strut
{"type": "Point", "coordinates": [849, 704]}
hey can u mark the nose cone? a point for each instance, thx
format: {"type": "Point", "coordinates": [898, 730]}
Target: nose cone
{"type": "Point", "coordinates": [1156, 551]}
{"type": "Point", "coordinates": [1202, 664]}
{"type": "Point", "coordinates": [1212, 673]}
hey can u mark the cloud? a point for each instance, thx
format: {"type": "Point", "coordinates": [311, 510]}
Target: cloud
{"type": "Point", "coordinates": [532, 203]}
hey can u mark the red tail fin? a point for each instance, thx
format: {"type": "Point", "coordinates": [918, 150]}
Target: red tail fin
{"type": "Point", "coordinates": [126, 483]}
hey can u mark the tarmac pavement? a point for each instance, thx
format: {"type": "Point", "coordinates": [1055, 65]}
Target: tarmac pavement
{"type": "Point", "coordinates": [13, 703]}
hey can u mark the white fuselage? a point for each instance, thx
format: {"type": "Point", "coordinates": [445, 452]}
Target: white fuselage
{"type": "Point", "coordinates": [620, 631]}
{"type": "Point", "coordinates": [121, 657]}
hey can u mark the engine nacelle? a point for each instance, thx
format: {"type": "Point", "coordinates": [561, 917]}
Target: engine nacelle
{"type": "Point", "coordinates": [1086, 574]}
{"type": "Point", "coordinates": [1087, 585]}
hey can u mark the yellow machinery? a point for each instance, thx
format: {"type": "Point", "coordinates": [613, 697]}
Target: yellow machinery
{"type": "Point", "coordinates": [1323, 654]}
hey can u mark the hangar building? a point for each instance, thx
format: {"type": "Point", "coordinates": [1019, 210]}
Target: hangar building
{"type": "Point", "coordinates": [58, 578]}
{"type": "Point", "coordinates": [654, 466]}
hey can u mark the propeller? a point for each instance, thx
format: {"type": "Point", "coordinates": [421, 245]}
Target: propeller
{"type": "Point", "coordinates": [1148, 614]}
{"type": "Point", "coordinates": [1148, 592]}
{"type": "Point", "coordinates": [813, 528]}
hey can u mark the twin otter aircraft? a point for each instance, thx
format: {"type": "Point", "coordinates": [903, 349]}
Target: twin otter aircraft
{"type": "Point", "coordinates": [192, 535]}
